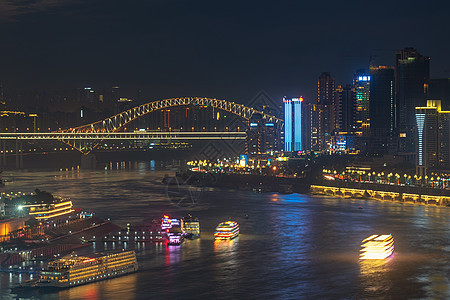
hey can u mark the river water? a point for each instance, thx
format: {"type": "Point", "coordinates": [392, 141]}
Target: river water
{"type": "Point", "coordinates": [290, 247]}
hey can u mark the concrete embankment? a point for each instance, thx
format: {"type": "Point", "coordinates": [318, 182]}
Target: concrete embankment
{"type": "Point", "coordinates": [247, 182]}
{"type": "Point", "coordinates": [407, 194]}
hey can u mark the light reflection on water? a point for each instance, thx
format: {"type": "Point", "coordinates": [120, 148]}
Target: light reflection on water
{"type": "Point", "coordinates": [123, 287]}
{"type": "Point", "coordinates": [374, 277]}
{"type": "Point", "coordinates": [227, 269]}
{"type": "Point", "coordinates": [290, 246]}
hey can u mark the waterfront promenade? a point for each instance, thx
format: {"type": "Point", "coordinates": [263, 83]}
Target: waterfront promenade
{"type": "Point", "coordinates": [401, 193]}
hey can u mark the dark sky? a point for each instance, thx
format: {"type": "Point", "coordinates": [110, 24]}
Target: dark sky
{"type": "Point", "coordinates": [223, 49]}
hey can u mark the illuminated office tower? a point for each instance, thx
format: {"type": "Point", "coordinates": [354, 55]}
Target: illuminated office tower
{"type": "Point", "coordinates": [287, 124]}
{"type": "Point", "coordinates": [412, 80]}
{"type": "Point", "coordinates": [326, 106]}
{"type": "Point", "coordinates": [292, 124]}
{"type": "Point", "coordinates": [2, 99]}
{"type": "Point", "coordinates": [440, 89]}
{"type": "Point", "coordinates": [311, 115]}
{"type": "Point", "coordinates": [361, 83]}
{"type": "Point", "coordinates": [382, 101]}
{"type": "Point", "coordinates": [345, 110]}
{"type": "Point", "coordinates": [433, 138]}
{"type": "Point", "coordinates": [262, 135]}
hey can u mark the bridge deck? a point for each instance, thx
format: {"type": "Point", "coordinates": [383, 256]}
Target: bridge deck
{"type": "Point", "coordinates": [125, 136]}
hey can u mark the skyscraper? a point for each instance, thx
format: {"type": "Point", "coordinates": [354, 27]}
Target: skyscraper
{"type": "Point", "coordinates": [361, 83]}
{"type": "Point", "coordinates": [311, 115]}
{"type": "Point", "coordinates": [382, 101]}
{"type": "Point", "coordinates": [2, 98]}
{"type": "Point", "coordinates": [440, 89]}
{"type": "Point", "coordinates": [326, 107]}
{"type": "Point", "coordinates": [433, 138]}
{"type": "Point", "coordinates": [345, 109]}
{"type": "Point", "coordinates": [292, 124]}
{"type": "Point", "coordinates": [262, 135]}
{"type": "Point", "coordinates": [412, 79]}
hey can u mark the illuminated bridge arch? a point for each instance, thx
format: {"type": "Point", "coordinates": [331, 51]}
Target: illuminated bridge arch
{"type": "Point", "coordinates": [115, 123]}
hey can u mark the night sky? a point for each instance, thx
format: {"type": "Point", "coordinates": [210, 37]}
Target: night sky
{"type": "Point", "coordinates": [222, 49]}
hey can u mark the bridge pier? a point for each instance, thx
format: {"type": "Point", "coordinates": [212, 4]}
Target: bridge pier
{"type": "Point", "coordinates": [88, 161]}
{"type": "Point", "coordinates": [3, 158]}
{"type": "Point", "coordinates": [19, 154]}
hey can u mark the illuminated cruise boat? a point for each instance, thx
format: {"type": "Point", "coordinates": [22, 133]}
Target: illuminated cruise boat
{"type": "Point", "coordinates": [227, 230]}
{"type": "Point", "coordinates": [190, 227]}
{"type": "Point", "coordinates": [172, 229]}
{"type": "Point", "coordinates": [43, 211]}
{"type": "Point", "coordinates": [75, 270]}
{"type": "Point", "coordinates": [167, 223]}
{"type": "Point", "coordinates": [377, 247]}
{"type": "Point", "coordinates": [174, 236]}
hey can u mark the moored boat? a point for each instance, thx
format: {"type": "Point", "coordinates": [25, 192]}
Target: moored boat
{"type": "Point", "coordinates": [76, 270]}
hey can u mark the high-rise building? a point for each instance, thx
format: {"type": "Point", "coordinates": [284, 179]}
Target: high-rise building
{"type": "Point", "coordinates": [292, 124]}
{"type": "Point", "coordinates": [345, 109]}
{"type": "Point", "coordinates": [440, 89]}
{"type": "Point", "coordinates": [2, 98]}
{"type": "Point", "coordinates": [262, 135]}
{"type": "Point", "coordinates": [326, 107]}
{"type": "Point", "coordinates": [361, 83]}
{"type": "Point", "coordinates": [311, 115]}
{"type": "Point", "coordinates": [412, 80]}
{"type": "Point", "coordinates": [433, 138]}
{"type": "Point", "coordinates": [382, 101]}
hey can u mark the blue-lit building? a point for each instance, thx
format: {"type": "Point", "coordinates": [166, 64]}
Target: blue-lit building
{"type": "Point", "coordinates": [292, 124]}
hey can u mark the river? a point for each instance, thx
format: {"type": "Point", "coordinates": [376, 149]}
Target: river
{"type": "Point", "coordinates": [290, 247]}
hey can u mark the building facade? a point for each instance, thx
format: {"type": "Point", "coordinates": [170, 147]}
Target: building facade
{"type": "Point", "coordinates": [292, 124]}
{"type": "Point", "coordinates": [433, 138]}
{"type": "Point", "coordinates": [311, 125]}
{"type": "Point", "coordinates": [262, 136]}
{"type": "Point", "coordinates": [361, 83]}
{"type": "Point", "coordinates": [345, 110]}
{"type": "Point", "coordinates": [412, 81]}
{"type": "Point", "coordinates": [440, 89]}
{"type": "Point", "coordinates": [326, 110]}
{"type": "Point", "coordinates": [382, 101]}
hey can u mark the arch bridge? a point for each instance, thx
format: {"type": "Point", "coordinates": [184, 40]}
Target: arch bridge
{"type": "Point", "coordinates": [117, 122]}
{"type": "Point", "coordinates": [88, 137]}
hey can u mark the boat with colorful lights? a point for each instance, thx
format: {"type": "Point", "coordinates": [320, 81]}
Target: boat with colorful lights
{"type": "Point", "coordinates": [172, 230]}
{"type": "Point", "coordinates": [191, 227]}
{"type": "Point", "coordinates": [76, 270]}
{"type": "Point", "coordinates": [174, 236]}
{"type": "Point", "coordinates": [377, 246]}
{"type": "Point", "coordinates": [227, 230]}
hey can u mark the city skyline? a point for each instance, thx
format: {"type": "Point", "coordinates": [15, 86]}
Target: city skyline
{"type": "Point", "coordinates": [203, 49]}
